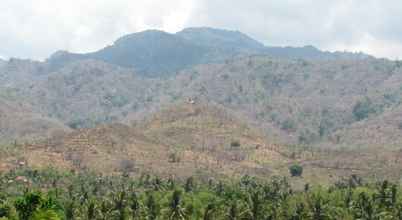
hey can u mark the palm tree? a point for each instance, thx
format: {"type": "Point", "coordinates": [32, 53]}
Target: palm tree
{"type": "Point", "coordinates": [300, 213]}
{"type": "Point", "coordinates": [7, 211]}
{"type": "Point", "coordinates": [255, 205]}
{"type": "Point", "coordinates": [364, 208]}
{"type": "Point", "coordinates": [106, 208]}
{"type": "Point", "coordinates": [235, 211]}
{"type": "Point", "coordinates": [69, 210]}
{"type": "Point", "coordinates": [176, 211]}
{"type": "Point", "coordinates": [209, 212]}
{"type": "Point", "coordinates": [91, 210]}
{"type": "Point", "coordinates": [120, 205]}
{"type": "Point", "coordinates": [189, 184]}
{"type": "Point", "coordinates": [135, 206]}
{"type": "Point", "coordinates": [152, 207]}
{"type": "Point", "coordinates": [45, 215]}
{"type": "Point", "coordinates": [319, 208]}
{"type": "Point", "coordinates": [33, 206]}
{"type": "Point", "coordinates": [28, 204]}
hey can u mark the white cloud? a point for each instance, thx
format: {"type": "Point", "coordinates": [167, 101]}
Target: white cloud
{"type": "Point", "coordinates": [36, 28]}
{"type": "Point", "coordinates": [328, 24]}
{"type": "Point", "coordinates": [371, 45]}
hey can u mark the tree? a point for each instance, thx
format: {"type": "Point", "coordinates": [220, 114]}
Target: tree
{"type": "Point", "coordinates": [152, 207]}
{"type": "Point", "coordinates": [296, 170]}
{"type": "Point", "coordinates": [135, 206]}
{"type": "Point", "coordinates": [45, 215]}
{"type": "Point", "coordinates": [7, 211]}
{"type": "Point", "coordinates": [34, 206]}
{"type": "Point", "coordinates": [176, 211]}
{"type": "Point", "coordinates": [210, 211]}
{"type": "Point", "coordinates": [363, 109]}
{"type": "Point", "coordinates": [28, 204]}
{"type": "Point", "coordinates": [189, 184]}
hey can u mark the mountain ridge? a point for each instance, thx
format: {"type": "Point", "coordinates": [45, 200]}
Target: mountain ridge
{"type": "Point", "coordinates": [158, 53]}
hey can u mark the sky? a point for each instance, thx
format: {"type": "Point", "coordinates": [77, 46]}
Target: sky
{"type": "Point", "coordinates": [36, 28]}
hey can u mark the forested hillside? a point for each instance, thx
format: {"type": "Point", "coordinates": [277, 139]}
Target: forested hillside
{"type": "Point", "coordinates": [158, 102]}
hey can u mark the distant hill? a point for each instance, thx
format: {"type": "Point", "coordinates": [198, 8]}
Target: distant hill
{"type": "Point", "coordinates": [157, 53]}
{"type": "Point", "coordinates": [312, 53]}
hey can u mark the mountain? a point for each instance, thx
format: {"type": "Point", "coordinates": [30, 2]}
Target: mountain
{"type": "Point", "coordinates": [157, 53]}
{"type": "Point", "coordinates": [293, 101]}
{"type": "Point", "coordinates": [208, 90]}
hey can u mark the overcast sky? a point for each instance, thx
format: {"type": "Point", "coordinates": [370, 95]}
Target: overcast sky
{"type": "Point", "coordinates": [36, 28]}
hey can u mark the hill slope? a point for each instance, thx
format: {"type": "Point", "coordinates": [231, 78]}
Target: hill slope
{"type": "Point", "coordinates": [182, 140]}
{"type": "Point", "coordinates": [293, 101]}
{"type": "Point", "coordinates": [18, 122]}
{"type": "Point", "coordinates": [200, 140]}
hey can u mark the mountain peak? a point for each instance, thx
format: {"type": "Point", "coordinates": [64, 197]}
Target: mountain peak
{"type": "Point", "coordinates": [219, 38]}
{"type": "Point", "coordinates": [58, 54]}
{"type": "Point", "coordinates": [144, 35]}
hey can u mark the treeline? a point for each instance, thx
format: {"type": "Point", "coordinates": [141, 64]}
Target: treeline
{"type": "Point", "coordinates": [41, 195]}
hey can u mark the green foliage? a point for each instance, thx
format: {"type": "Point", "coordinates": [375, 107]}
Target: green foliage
{"type": "Point", "coordinates": [296, 170]}
{"type": "Point", "coordinates": [363, 109]}
{"type": "Point", "coordinates": [91, 196]}
{"type": "Point", "coordinates": [45, 215]}
{"type": "Point", "coordinates": [116, 100]}
{"type": "Point", "coordinates": [288, 125]}
{"type": "Point", "coordinates": [35, 206]}
{"type": "Point", "coordinates": [7, 211]}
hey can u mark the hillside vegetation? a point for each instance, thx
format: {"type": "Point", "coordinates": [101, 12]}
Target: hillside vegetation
{"type": "Point", "coordinates": [206, 101]}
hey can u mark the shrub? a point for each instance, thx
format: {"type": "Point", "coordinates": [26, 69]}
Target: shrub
{"type": "Point", "coordinates": [235, 144]}
{"type": "Point", "coordinates": [174, 157]}
{"type": "Point", "coordinates": [363, 109]}
{"type": "Point", "coordinates": [7, 211]}
{"type": "Point", "coordinates": [78, 123]}
{"type": "Point", "coordinates": [296, 170]}
{"type": "Point", "coordinates": [116, 100]}
{"type": "Point", "coordinates": [288, 125]}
